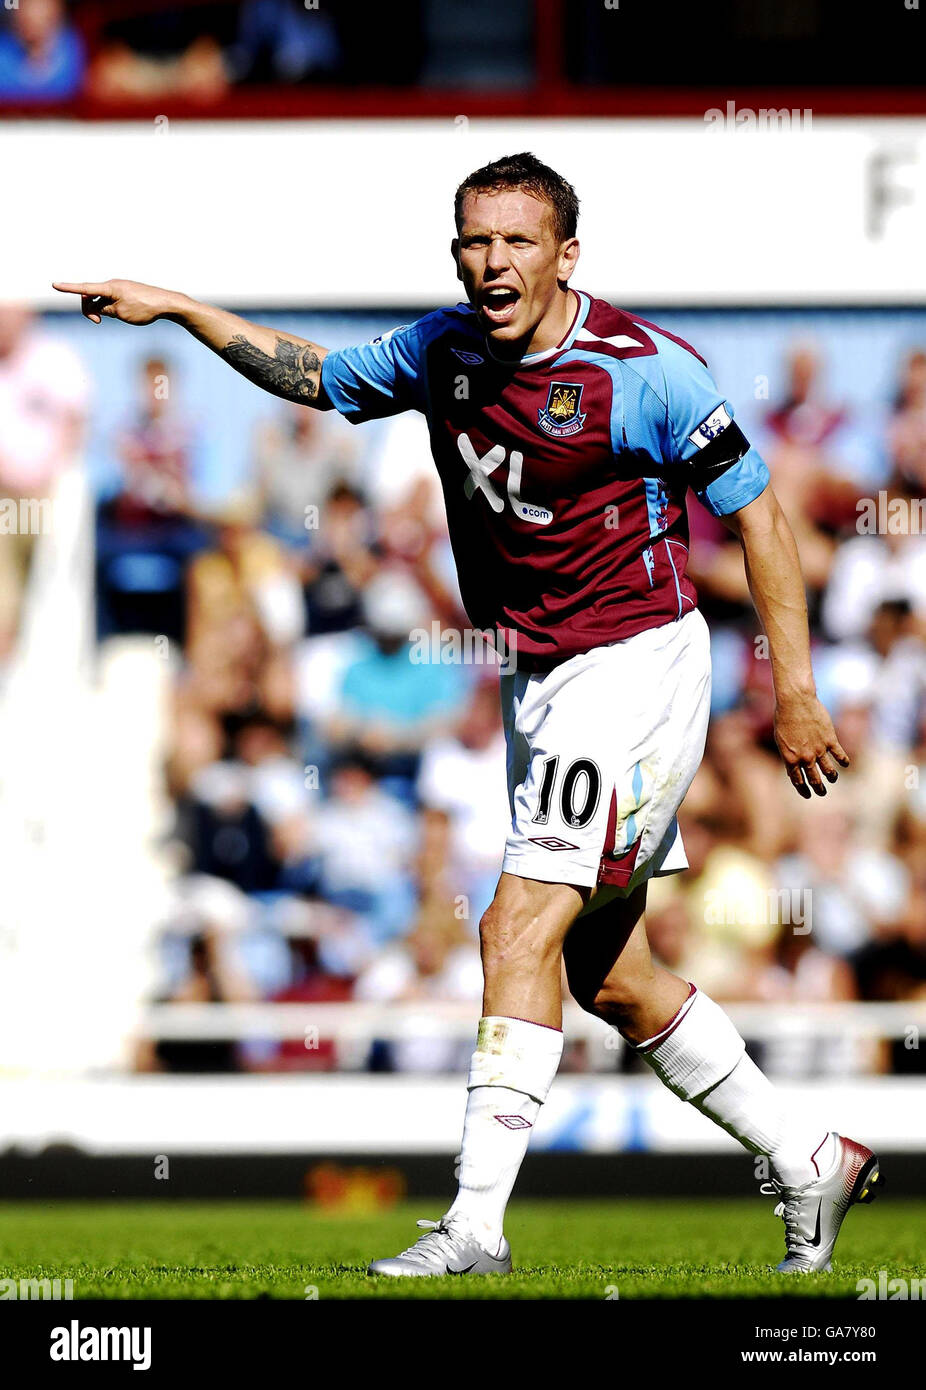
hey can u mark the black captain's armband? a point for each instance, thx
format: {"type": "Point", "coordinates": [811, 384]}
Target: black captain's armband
{"type": "Point", "coordinates": [717, 455]}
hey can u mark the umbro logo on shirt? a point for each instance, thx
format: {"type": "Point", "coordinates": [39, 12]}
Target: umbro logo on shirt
{"type": "Point", "coordinates": [514, 1121]}
{"type": "Point", "coordinates": [552, 842]}
{"type": "Point", "coordinates": [472, 359]}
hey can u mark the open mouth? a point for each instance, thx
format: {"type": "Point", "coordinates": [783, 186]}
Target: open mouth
{"type": "Point", "coordinates": [498, 304]}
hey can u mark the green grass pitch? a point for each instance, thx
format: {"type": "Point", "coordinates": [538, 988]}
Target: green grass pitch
{"type": "Point", "coordinates": [631, 1249]}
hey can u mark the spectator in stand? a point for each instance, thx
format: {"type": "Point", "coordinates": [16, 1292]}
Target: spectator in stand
{"type": "Point", "coordinates": [816, 456]}
{"type": "Point", "coordinates": [362, 843]}
{"type": "Point", "coordinates": [197, 740]}
{"type": "Point", "coordinates": [307, 925]}
{"type": "Point", "coordinates": [225, 668]}
{"type": "Point", "coordinates": [312, 984]}
{"type": "Point", "coordinates": [283, 41]}
{"type": "Point", "coordinates": [366, 841]}
{"type": "Point", "coordinates": [227, 835]}
{"type": "Point", "coordinates": [728, 897]}
{"type": "Point", "coordinates": [805, 419]}
{"type": "Point", "coordinates": [893, 965]}
{"type": "Point", "coordinates": [436, 961]}
{"type": "Point", "coordinates": [802, 434]}
{"type": "Point", "coordinates": [845, 684]}
{"type": "Point", "coordinates": [248, 574]}
{"type": "Point", "coordinates": [852, 889]}
{"type": "Point", "coordinates": [886, 678]}
{"type": "Point", "coordinates": [156, 451]}
{"type": "Point", "coordinates": [164, 51]}
{"type": "Point", "coordinates": [910, 841]}
{"type": "Point", "coordinates": [390, 704]}
{"type": "Point", "coordinates": [203, 966]}
{"type": "Point", "coordinates": [339, 562]}
{"type": "Point", "coordinates": [896, 642]}
{"type": "Point", "coordinates": [843, 450]}
{"type": "Point", "coordinates": [794, 970]}
{"type": "Point", "coordinates": [745, 786]}
{"type": "Point", "coordinates": [147, 531]}
{"type": "Point", "coordinates": [400, 467]}
{"type": "Point", "coordinates": [279, 793]}
{"type": "Point", "coordinates": [466, 816]}
{"type": "Point", "coordinates": [907, 429]}
{"type": "Point", "coordinates": [897, 710]}
{"type": "Point", "coordinates": [245, 810]}
{"type": "Point", "coordinates": [870, 568]}
{"type": "Point", "coordinates": [44, 398]}
{"type": "Point", "coordinates": [42, 55]}
{"type": "Point", "coordinates": [277, 782]}
{"type": "Point", "coordinates": [300, 456]}
{"type": "Point", "coordinates": [406, 496]}
{"type": "Point", "coordinates": [892, 968]}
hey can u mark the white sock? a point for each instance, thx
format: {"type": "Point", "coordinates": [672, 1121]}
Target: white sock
{"type": "Point", "coordinates": [702, 1058]}
{"type": "Point", "coordinates": [749, 1107]}
{"type": "Point", "coordinates": [510, 1076]}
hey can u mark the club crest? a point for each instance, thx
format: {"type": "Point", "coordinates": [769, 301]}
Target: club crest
{"type": "Point", "coordinates": [560, 416]}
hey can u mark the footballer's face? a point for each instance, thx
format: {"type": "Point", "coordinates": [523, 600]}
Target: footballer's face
{"type": "Point", "coordinates": [514, 269]}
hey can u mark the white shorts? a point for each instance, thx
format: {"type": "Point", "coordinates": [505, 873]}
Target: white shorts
{"type": "Point", "coordinates": [601, 751]}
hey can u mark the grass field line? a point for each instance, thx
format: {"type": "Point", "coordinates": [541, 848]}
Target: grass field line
{"type": "Point", "coordinates": [628, 1249]}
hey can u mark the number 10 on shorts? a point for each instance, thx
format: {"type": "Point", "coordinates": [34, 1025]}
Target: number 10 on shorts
{"type": "Point", "coordinates": [579, 792]}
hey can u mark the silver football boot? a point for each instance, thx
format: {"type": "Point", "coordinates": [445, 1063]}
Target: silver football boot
{"type": "Point", "coordinates": [814, 1213]}
{"type": "Point", "coordinates": [447, 1247]}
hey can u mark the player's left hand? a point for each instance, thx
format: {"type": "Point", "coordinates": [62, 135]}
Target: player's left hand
{"type": "Point", "coordinates": [808, 744]}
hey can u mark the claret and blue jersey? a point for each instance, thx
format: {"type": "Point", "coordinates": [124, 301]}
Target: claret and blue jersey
{"type": "Point", "coordinates": [565, 474]}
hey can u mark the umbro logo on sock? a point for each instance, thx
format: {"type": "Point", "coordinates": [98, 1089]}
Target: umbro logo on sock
{"type": "Point", "coordinates": [514, 1121]}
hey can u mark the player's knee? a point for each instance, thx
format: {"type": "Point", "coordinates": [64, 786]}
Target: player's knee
{"type": "Point", "coordinates": [617, 1000]}
{"type": "Point", "coordinates": [511, 942]}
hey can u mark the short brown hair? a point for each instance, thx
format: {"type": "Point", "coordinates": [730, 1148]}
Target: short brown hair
{"type": "Point", "coordinates": [528, 172]}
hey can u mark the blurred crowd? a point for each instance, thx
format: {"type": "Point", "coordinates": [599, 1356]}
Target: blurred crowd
{"type": "Point", "coordinates": [338, 808]}
{"type": "Point", "coordinates": [204, 53]}
{"type": "Point", "coordinates": [252, 57]}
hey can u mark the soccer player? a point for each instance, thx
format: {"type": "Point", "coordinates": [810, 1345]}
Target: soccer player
{"type": "Point", "coordinates": [567, 435]}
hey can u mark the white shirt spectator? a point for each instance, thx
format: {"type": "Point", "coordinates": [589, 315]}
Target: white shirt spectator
{"type": "Point", "coordinates": [867, 571]}
{"type": "Point", "coordinates": [394, 976]}
{"type": "Point", "coordinates": [871, 888]}
{"type": "Point", "coordinates": [320, 664]}
{"type": "Point", "coordinates": [44, 395]}
{"type": "Point", "coordinates": [469, 786]}
{"type": "Point", "coordinates": [893, 687]}
{"type": "Point", "coordinates": [399, 461]}
{"type": "Point", "coordinates": [364, 844]}
{"type": "Point", "coordinates": [278, 789]}
{"type": "Point", "coordinates": [899, 685]}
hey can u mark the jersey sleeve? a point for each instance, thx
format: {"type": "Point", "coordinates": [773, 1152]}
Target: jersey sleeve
{"type": "Point", "coordinates": [380, 378]}
{"type": "Point", "coordinates": [723, 469]}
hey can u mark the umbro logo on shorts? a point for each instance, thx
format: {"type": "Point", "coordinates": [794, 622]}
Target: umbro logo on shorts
{"type": "Point", "coordinates": [552, 842]}
{"type": "Point", "coordinates": [514, 1121]}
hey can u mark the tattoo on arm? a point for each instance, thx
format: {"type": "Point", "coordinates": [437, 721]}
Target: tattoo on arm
{"type": "Point", "coordinates": [292, 371]}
